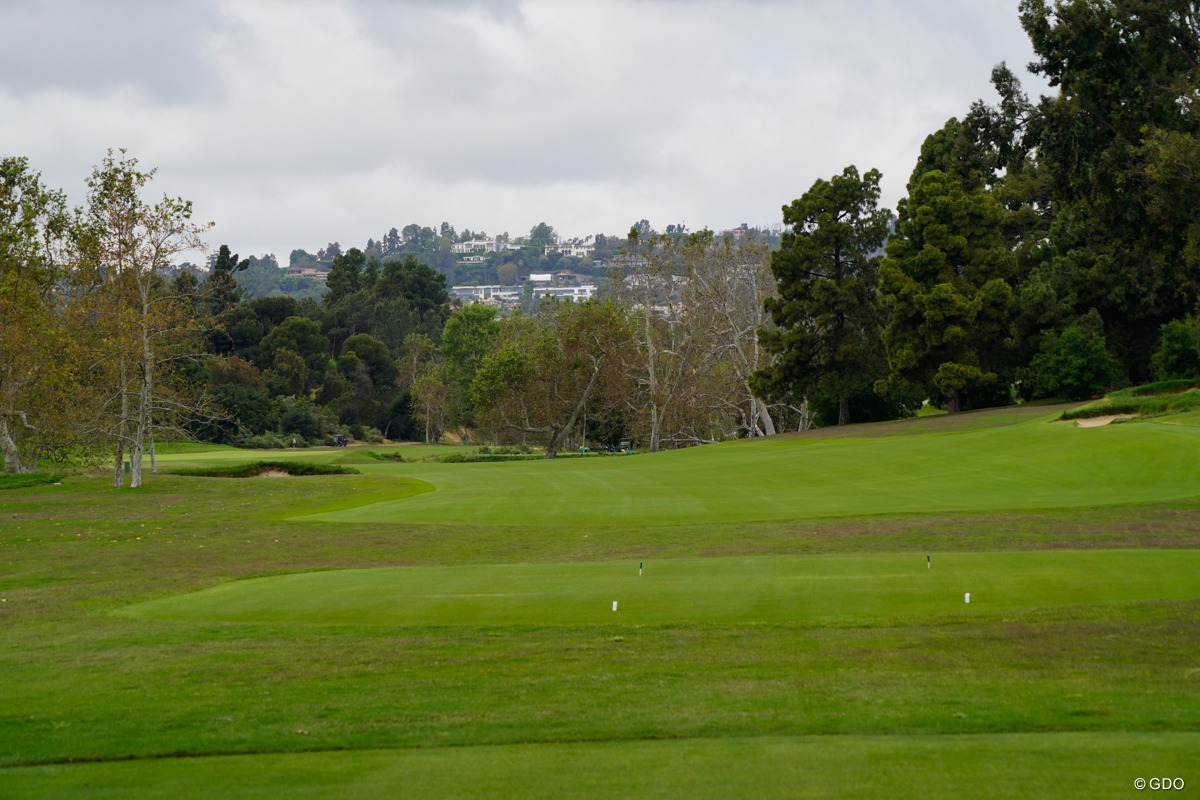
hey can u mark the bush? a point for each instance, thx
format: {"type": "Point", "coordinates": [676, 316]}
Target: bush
{"type": "Point", "coordinates": [300, 421]}
{"type": "Point", "coordinates": [265, 441]}
{"type": "Point", "coordinates": [1074, 364]}
{"type": "Point", "coordinates": [1178, 356]}
{"type": "Point", "coordinates": [505, 450]}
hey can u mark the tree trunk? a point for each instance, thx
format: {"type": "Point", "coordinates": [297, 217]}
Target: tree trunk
{"type": "Point", "coordinates": [803, 424]}
{"type": "Point", "coordinates": [843, 410]}
{"type": "Point", "coordinates": [12, 454]}
{"type": "Point", "coordinates": [557, 442]}
{"type": "Point", "coordinates": [118, 478]}
{"type": "Point", "coordinates": [122, 427]}
{"type": "Point", "coordinates": [554, 446]}
{"type": "Point", "coordinates": [145, 398]}
{"type": "Point", "coordinates": [954, 402]}
{"type": "Point", "coordinates": [764, 416]}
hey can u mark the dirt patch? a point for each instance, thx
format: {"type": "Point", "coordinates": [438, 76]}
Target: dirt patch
{"type": "Point", "coordinates": [1096, 422]}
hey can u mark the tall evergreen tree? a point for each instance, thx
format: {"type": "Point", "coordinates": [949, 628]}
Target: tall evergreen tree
{"type": "Point", "coordinates": [221, 290]}
{"type": "Point", "coordinates": [345, 276]}
{"type": "Point", "coordinates": [828, 334]}
{"type": "Point", "coordinates": [945, 284]}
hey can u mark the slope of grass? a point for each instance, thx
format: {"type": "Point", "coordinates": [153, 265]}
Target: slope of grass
{"type": "Point", "coordinates": [1155, 398]}
{"type": "Point", "coordinates": [803, 590]}
{"type": "Point", "coordinates": [1032, 465]}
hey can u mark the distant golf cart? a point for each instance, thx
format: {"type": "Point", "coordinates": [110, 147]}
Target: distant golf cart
{"type": "Point", "coordinates": [339, 440]}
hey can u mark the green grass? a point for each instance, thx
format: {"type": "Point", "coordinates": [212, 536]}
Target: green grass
{"type": "Point", "coordinates": [795, 590]}
{"type": "Point", "coordinates": [322, 636]}
{"type": "Point", "coordinates": [22, 481]}
{"type": "Point", "coordinates": [998, 766]}
{"type": "Point", "coordinates": [1035, 465]}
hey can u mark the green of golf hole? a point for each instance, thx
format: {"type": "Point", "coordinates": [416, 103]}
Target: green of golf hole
{"type": "Point", "coordinates": [774, 590]}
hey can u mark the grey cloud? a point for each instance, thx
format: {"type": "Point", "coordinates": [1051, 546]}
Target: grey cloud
{"type": "Point", "coordinates": [92, 47]}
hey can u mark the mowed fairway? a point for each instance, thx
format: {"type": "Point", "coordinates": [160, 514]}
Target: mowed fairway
{"type": "Point", "coordinates": [1039, 464]}
{"type": "Point", "coordinates": [799, 590]}
{"type": "Point", "coordinates": [433, 629]}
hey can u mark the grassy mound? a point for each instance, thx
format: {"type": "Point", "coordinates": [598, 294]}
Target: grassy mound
{"type": "Point", "coordinates": [256, 468]}
{"type": "Point", "coordinates": [1166, 397]}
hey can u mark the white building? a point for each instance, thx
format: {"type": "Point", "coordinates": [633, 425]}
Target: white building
{"type": "Point", "coordinates": [576, 293]}
{"type": "Point", "coordinates": [474, 246]}
{"type": "Point", "coordinates": [481, 294]}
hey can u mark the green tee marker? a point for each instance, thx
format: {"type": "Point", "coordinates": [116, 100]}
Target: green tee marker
{"type": "Point", "coordinates": [639, 569]}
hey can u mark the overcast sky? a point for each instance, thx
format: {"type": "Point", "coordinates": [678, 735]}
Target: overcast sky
{"type": "Point", "coordinates": [293, 124]}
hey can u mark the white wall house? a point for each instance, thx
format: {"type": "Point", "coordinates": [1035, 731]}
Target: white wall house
{"type": "Point", "coordinates": [576, 293]}
{"type": "Point", "coordinates": [474, 246]}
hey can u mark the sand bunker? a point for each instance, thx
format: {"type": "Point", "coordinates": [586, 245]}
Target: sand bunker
{"type": "Point", "coordinates": [1096, 422]}
{"type": "Point", "coordinates": [273, 473]}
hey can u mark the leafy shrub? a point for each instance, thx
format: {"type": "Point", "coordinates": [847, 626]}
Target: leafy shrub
{"type": "Point", "coordinates": [265, 441]}
{"type": "Point", "coordinates": [505, 450]}
{"type": "Point", "coordinates": [1178, 355]}
{"type": "Point", "coordinates": [300, 421]}
{"type": "Point", "coordinates": [1074, 364]}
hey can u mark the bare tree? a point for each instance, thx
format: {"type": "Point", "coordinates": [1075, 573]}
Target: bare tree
{"type": "Point", "coordinates": [128, 245]}
{"type": "Point", "coordinates": [728, 283]}
{"type": "Point", "coordinates": [668, 354]}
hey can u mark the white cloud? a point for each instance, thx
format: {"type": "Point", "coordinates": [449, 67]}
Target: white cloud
{"type": "Point", "coordinates": [293, 124]}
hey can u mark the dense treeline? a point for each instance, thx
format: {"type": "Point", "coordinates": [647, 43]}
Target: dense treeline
{"type": "Point", "coordinates": [1044, 248]}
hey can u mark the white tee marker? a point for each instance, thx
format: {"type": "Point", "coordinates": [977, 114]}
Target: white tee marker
{"type": "Point", "coordinates": [965, 601]}
{"type": "Point", "coordinates": [614, 605]}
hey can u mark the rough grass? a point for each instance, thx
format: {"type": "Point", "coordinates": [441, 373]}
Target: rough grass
{"type": "Point", "coordinates": [25, 480]}
{"type": "Point", "coordinates": [1165, 397]}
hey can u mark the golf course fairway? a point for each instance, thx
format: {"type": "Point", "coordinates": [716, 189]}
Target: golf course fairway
{"type": "Point", "coordinates": [427, 624]}
{"type": "Point", "coordinates": [803, 590]}
{"type": "Point", "coordinates": [1037, 464]}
